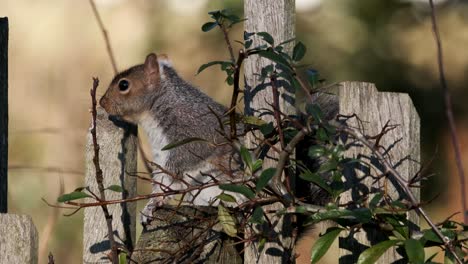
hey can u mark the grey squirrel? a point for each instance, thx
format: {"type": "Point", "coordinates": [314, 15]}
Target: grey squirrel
{"type": "Point", "coordinates": [153, 96]}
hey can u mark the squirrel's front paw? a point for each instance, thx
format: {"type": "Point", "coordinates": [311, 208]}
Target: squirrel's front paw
{"type": "Point", "coordinates": [146, 215]}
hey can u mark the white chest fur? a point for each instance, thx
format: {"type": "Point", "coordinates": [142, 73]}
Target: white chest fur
{"type": "Point", "coordinates": [156, 137]}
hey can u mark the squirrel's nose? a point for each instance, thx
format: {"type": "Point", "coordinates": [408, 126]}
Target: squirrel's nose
{"type": "Point", "coordinates": [103, 102]}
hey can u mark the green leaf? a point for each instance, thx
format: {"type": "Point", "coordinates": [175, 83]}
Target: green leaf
{"type": "Point", "coordinates": [209, 64]}
{"type": "Point", "coordinates": [431, 236]}
{"type": "Point", "coordinates": [72, 196]}
{"type": "Point", "coordinates": [266, 71]}
{"type": "Point", "coordinates": [375, 200]}
{"type": "Point", "coordinates": [208, 26]}
{"type": "Point", "coordinates": [261, 244]}
{"type": "Point", "coordinates": [238, 189]}
{"type": "Point", "coordinates": [248, 35]}
{"type": "Point", "coordinates": [227, 221]}
{"type": "Point", "coordinates": [248, 43]}
{"type": "Point", "coordinates": [322, 134]}
{"type": "Point", "coordinates": [322, 244]}
{"type": "Point", "coordinates": [115, 188]}
{"type": "Point", "coordinates": [266, 37]}
{"type": "Point", "coordinates": [253, 120]}
{"type": "Point", "coordinates": [122, 258]}
{"type": "Point", "coordinates": [315, 111]}
{"type": "Point", "coordinates": [449, 258]}
{"type": "Point", "coordinates": [296, 84]}
{"type": "Point", "coordinates": [257, 165]}
{"type": "Point", "coordinates": [257, 216]}
{"type": "Point", "coordinates": [313, 76]}
{"type": "Point", "coordinates": [182, 142]}
{"type": "Point", "coordinates": [227, 198]}
{"type": "Point", "coordinates": [317, 179]}
{"type": "Point", "coordinates": [328, 215]}
{"type": "Point", "coordinates": [264, 178]}
{"type": "Point", "coordinates": [415, 251]}
{"type": "Point", "coordinates": [246, 157]}
{"type": "Point", "coordinates": [328, 166]}
{"type": "Point", "coordinates": [230, 80]}
{"type": "Point", "coordinates": [316, 151]}
{"type": "Point", "coordinates": [269, 54]}
{"type": "Point", "coordinates": [215, 14]}
{"type": "Point", "coordinates": [362, 215]}
{"type": "Point", "coordinates": [267, 129]}
{"type": "Point", "coordinates": [372, 254]}
{"type": "Point", "coordinates": [299, 51]}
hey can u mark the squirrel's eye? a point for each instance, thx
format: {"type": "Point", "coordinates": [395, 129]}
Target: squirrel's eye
{"type": "Point", "coordinates": [123, 85]}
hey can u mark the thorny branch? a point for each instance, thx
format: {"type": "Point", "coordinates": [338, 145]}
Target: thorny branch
{"type": "Point", "coordinates": [235, 94]}
{"type": "Point", "coordinates": [168, 192]}
{"type": "Point", "coordinates": [228, 41]}
{"type": "Point", "coordinates": [449, 113]}
{"type": "Point", "coordinates": [389, 170]}
{"type": "Point", "coordinates": [99, 176]}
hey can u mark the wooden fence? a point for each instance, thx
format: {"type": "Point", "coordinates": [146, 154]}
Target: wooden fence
{"type": "Point", "coordinates": [118, 158]}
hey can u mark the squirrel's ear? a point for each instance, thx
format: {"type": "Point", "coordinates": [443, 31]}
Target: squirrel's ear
{"type": "Point", "coordinates": [152, 66]}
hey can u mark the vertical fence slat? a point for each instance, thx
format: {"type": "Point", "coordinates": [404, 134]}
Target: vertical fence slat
{"type": "Point", "coordinates": [3, 115]}
{"type": "Point", "coordinates": [118, 147]}
{"type": "Point", "coordinates": [374, 109]}
{"type": "Point", "coordinates": [278, 19]}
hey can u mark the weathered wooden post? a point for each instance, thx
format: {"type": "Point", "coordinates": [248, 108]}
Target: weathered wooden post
{"type": "Point", "coordinates": [403, 147]}
{"type": "Point", "coordinates": [118, 148]}
{"type": "Point", "coordinates": [3, 114]}
{"type": "Point", "coordinates": [185, 234]}
{"type": "Point", "coordinates": [18, 235]}
{"type": "Point", "coordinates": [278, 19]}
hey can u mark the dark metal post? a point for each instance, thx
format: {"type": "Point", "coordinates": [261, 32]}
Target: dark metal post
{"type": "Point", "coordinates": [3, 114]}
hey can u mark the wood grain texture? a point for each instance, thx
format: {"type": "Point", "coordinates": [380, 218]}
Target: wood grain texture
{"type": "Point", "coordinates": [18, 240]}
{"type": "Point", "coordinates": [185, 234]}
{"type": "Point", "coordinates": [278, 19]}
{"type": "Point", "coordinates": [3, 115]}
{"type": "Point", "coordinates": [118, 147]}
{"type": "Point", "coordinates": [403, 148]}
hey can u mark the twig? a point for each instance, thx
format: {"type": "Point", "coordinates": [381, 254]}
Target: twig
{"type": "Point", "coordinates": [51, 258]}
{"type": "Point", "coordinates": [99, 177]}
{"type": "Point", "coordinates": [51, 223]}
{"type": "Point", "coordinates": [228, 42]}
{"type": "Point", "coordinates": [104, 33]}
{"type": "Point", "coordinates": [275, 182]}
{"type": "Point", "coordinates": [147, 196]}
{"type": "Point", "coordinates": [235, 94]}
{"type": "Point", "coordinates": [449, 113]}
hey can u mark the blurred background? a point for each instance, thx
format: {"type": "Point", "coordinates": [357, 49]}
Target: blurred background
{"type": "Point", "coordinates": [56, 47]}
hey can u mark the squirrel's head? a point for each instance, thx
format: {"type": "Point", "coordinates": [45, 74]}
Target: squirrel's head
{"type": "Point", "coordinates": [132, 92]}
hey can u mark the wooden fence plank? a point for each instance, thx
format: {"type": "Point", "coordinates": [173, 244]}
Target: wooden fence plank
{"type": "Point", "coordinates": [374, 109]}
{"type": "Point", "coordinates": [278, 19]}
{"type": "Point", "coordinates": [18, 239]}
{"type": "Point", "coordinates": [118, 147]}
{"type": "Point", "coordinates": [3, 115]}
